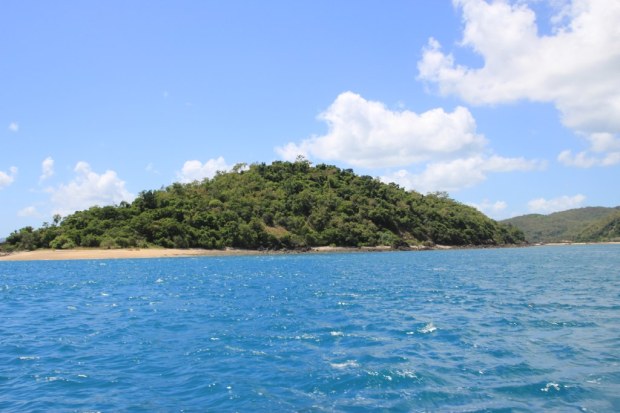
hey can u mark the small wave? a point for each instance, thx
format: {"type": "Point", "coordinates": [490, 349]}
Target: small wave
{"type": "Point", "coordinates": [410, 374]}
{"type": "Point", "coordinates": [55, 378]}
{"type": "Point", "coordinates": [26, 358]}
{"type": "Point", "coordinates": [349, 364]}
{"type": "Point", "coordinates": [398, 376]}
{"type": "Point", "coordinates": [428, 328]}
{"type": "Point", "coordinates": [336, 333]}
{"type": "Point", "coordinates": [551, 386]}
{"type": "Point", "coordinates": [306, 336]}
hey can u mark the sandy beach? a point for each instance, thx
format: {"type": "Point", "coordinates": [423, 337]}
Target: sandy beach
{"type": "Point", "coordinates": [102, 254]}
{"type": "Point", "coordinates": [99, 254]}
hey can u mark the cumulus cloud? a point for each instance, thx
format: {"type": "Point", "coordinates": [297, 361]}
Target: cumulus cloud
{"type": "Point", "coordinates": [575, 68]}
{"type": "Point", "coordinates": [14, 127]}
{"type": "Point", "coordinates": [367, 134]}
{"type": "Point", "coordinates": [459, 173]}
{"type": "Point", "coordinates": [87, 189]}
{"type": "Point", "coordinates": [197, 171]}
{"type": "Point", "coordinates": [150, 167]}
{"type": "Point", "coordinates": [7, 179]}
{"type": "Point", "coordinates": [29, 211]}
{"type": "Point", "coordinates": [47, 168]}
{"type": "Point", "coordinates": [492, 209]}
{"type": "Point", "coordinates": [546, 206]}
{"type": "Point", "coordinates": [604, 151]}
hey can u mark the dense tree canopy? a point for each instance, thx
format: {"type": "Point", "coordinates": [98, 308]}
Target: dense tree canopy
{"type": "Point", "coordinates": [282, 205]}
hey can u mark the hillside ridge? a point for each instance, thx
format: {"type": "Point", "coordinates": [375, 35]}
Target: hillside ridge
{"type": "Point", "coordinates": [587, 224]}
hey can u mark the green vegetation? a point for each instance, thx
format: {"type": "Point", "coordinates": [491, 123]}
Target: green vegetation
{"type": "Point", "coordinates": [592, 224]}
{"type": "Point", "coordinates": [605, 229]}
{"type": "Point", "coordinates": [282, 205]}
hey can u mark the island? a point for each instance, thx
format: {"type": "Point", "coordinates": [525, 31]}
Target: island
{"type": "Point", "coordinates": [282, 206]}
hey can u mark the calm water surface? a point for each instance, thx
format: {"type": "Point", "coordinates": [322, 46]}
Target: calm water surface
{"type": "Point", "coordinates": [480, 330]}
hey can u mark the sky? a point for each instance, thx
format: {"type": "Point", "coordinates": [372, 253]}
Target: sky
{"type": "Point", "coordinates": [509, 106]}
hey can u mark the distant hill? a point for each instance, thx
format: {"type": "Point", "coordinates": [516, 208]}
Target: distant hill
{"type": "Point", "coordinates": [291, 205]}
{"type": "Point", "coordinates": [606, 229]}
{"type": "Point", "coordinates": [590, 224]}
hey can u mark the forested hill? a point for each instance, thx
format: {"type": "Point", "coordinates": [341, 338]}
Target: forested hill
{"type": "Point", "coordinates": [590, 224]}
{"type": "Point", "coordinates": [282, 205]}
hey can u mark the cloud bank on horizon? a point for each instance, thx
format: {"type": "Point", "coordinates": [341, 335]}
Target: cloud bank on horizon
{"type": "Point", "coordinates": [506, 53]}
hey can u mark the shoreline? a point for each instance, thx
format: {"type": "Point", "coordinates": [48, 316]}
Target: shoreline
{"type": "Point", "coordinates": [131, 253]}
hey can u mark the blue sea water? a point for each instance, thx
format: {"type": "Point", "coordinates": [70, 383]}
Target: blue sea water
{"type": "Point", "coordinates": [497, 330]}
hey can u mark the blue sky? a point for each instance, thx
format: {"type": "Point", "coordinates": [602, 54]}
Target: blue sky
{"type": "Point", "coordinates": [511, 106]}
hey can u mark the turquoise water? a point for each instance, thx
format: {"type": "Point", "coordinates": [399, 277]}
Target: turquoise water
{"type": "Point", "coordinates": [502, 330]}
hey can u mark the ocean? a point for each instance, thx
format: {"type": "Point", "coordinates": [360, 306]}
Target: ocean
{"type": "Point", "coordinates": [483, 330]}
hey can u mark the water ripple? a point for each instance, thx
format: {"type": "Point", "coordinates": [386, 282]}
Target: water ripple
{"type": "Point", "coordinates": [483, 330]}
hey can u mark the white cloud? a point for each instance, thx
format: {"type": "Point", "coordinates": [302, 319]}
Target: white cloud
{"type": "Point", "coordinates": [87, 189]}
{"type": "Point", "coordinates": [459, 173]}
{"type": "Point", "coordinates": [29, 211]}
{"type": "Point", "coordinates": [586, 160]}
{"type": "Point", "coordinates": [575, 68]}
{"type": "Point", "coordinates": [14, 127]}
{"type": "Point", "coordinates": [492, 209]}
{"type": "Point", "coordinates": [47, 168]}
{"type": "Point", "coordinates": [367, 134]}
{"type": "Point", "coordinates": [604, 142]}
{"type": "Point", "coordinates": [150, 167]}
{"type": "Point", "coordinates": [544, 206]}
{"type": "Point", "coordinates": [196, 170]}
{"type": "Point", "coordinates": [7, 179]}
{"type": "Point", "coordinates": [604, 151]}
{"type": "Point", "coordinates": [291, 151]}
